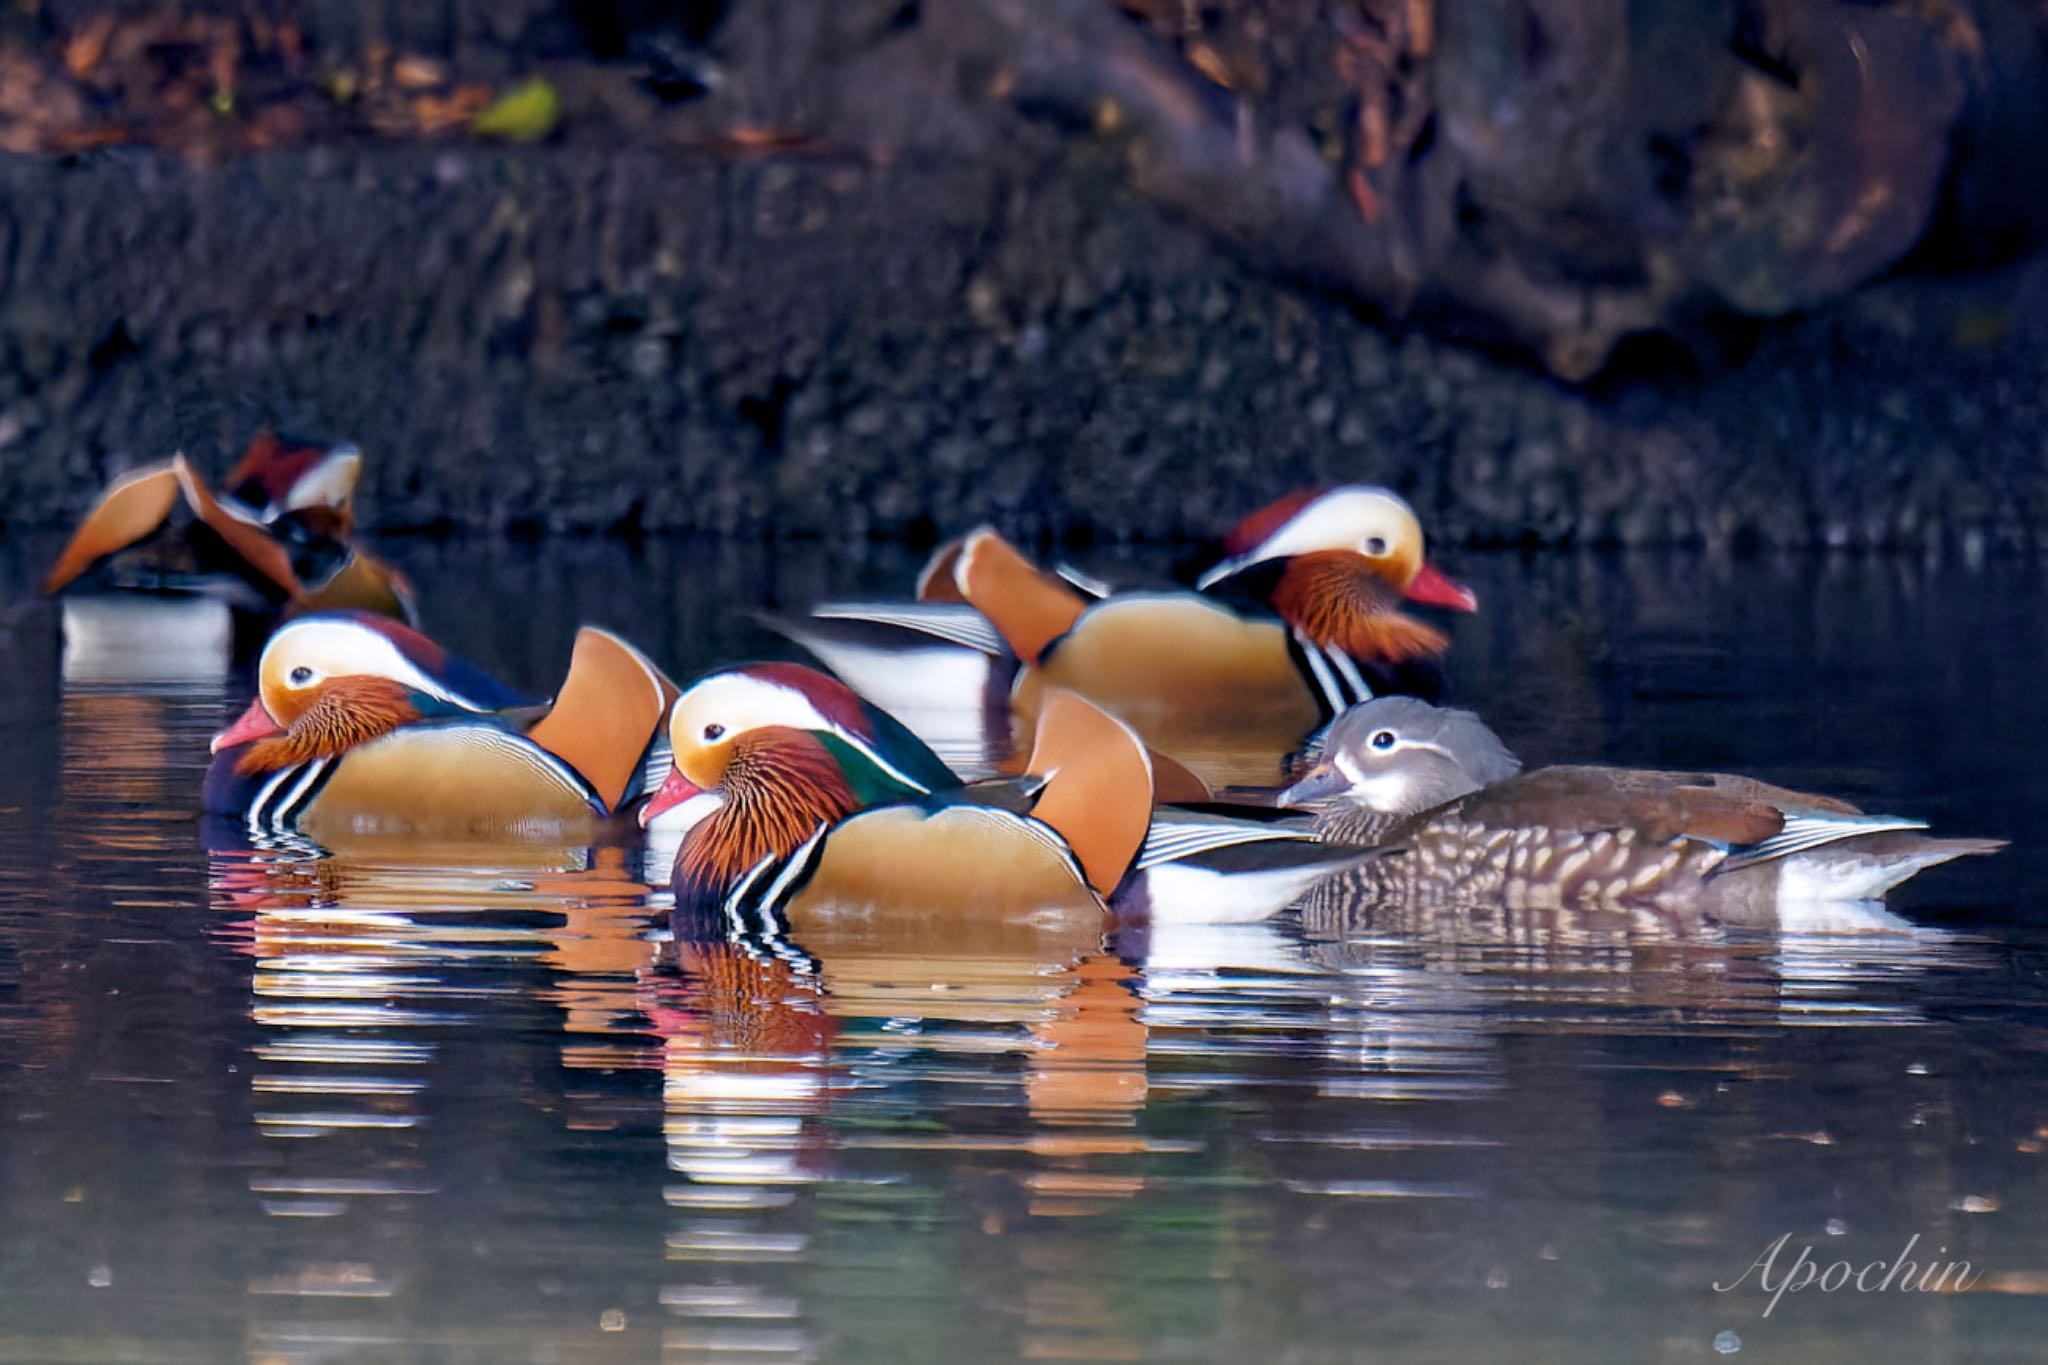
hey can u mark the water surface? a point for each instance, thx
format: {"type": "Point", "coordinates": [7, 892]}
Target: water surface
{"type": "Point", "coordinates": [262, 1105]}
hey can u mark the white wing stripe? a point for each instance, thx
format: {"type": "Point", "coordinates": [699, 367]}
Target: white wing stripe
{"type": "Point", "coordinates": [1171, 843]}
{"type": "Point", "coordinates": [1804, 832]}
{"type": "Point", "coordinates": [956, 625]}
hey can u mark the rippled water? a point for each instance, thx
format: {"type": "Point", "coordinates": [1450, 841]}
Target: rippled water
{"type": "Point", "coordinates": [406, 1105]}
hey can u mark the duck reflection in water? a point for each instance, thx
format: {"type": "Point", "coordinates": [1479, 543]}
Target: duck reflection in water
{"type": "Point", "coordinates": [802, 1094]}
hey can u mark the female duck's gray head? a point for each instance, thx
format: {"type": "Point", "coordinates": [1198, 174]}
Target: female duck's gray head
{"type": "Point", "coordinates": [1398, 756]}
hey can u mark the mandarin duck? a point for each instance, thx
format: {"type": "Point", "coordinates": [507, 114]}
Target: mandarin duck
{"type": "Point", "coordinates": [278, 538]}
{"type": "Point", "coordinates": [361, 725]}
{"type": "Point", "coordinates": [1328, 570]}
{"type": "Point", "coordinates": [797, 797]}
{"type": "Point", "coordinates": [1183, 667]}
{"type": "Point", "coordinates": [1463, 823]}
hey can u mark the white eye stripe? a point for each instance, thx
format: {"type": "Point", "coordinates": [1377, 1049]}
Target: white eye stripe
{"type": "Point", "coordinates": [1342, 518]}
{"type": "Point", "coordinates": [741, 703]}
{"type": "Point", "coordinates": [342, 648]}
{"type": "Point", "coordinates": [330, 483]}
{"type": "Point", "coordinates": [738, 703]}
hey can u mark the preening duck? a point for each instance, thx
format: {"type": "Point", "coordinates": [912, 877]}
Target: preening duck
{"type": "Point", "coordinates": [1465, 823]}
{"type": "Point", "coordinates": [799, 798]}
{"type": "Point", "coordinates": [361, 725]}
{"type": "Point", "coordinates": [281, 537]}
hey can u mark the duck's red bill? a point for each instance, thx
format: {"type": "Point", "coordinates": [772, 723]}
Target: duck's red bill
{"type": "Point", "coordinates": [1431, 585]}
{"type": "Point", "coordinates": [254, 723]}
{"type": "Point", "coordinates": [673, 793]}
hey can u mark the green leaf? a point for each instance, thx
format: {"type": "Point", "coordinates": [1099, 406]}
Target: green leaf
{"type": "Point", "coordinates": [527, 112]}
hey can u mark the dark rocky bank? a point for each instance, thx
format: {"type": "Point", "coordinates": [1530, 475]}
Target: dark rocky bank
{"type": "Point", "coordinates": [613, 332]}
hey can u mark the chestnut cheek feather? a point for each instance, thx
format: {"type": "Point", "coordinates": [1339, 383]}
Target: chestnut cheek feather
{"type": "Point", "coordinates": [348, 712]}
{"type": "Point", "coordinates": [779, 786]}
{"type": "Point", "coordinates": [1337, 600]}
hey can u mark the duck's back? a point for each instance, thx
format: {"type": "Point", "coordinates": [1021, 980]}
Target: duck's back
{"type": "Point", "coordinates": [1655, 805]}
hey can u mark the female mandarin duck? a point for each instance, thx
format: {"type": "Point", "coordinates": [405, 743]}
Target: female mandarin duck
{"type": "Point", "coordinates": [1332, 566]}
{"type": "Point", "coordinates": [797, 796]}
{"type": "Point", "coordinates": [279, 537]}
{"type": "Point", "coordinates": [361, 725]}
{"type": "Point", "coordinates": [1464, 823]}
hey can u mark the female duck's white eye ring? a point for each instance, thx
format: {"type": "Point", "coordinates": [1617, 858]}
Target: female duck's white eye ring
{"type": "Point", "coordinates": [1376, 546]}
{"type": "Point", "coordinates": [714, 730]}
{"type": "Point", "coordinates": [1382, 740]}
{"type": "Point", "coordinates": [301, 675]}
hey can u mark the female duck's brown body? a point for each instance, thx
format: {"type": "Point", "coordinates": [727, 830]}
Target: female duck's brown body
{"type": "Point", "coordinates": [1463, 825]}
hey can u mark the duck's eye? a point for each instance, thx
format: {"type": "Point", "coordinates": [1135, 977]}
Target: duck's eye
{"type": "Point", "coordinates": [301, 675]}
{"type": "Point", "coordinates": [1376, 546]}
{"type": "Point", "coordinates": [713, 730]}
{"type": "Point", "coordinates": [1382, 740]}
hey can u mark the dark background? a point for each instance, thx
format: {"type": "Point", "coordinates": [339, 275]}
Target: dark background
{"type": "Point", "coordinates": [1562, 270]}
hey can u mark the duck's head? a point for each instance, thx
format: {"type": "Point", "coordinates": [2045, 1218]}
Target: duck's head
{"type": "Point", "coordinates": [765, 733]}
{"type": "Point", "coordinates": [1375, 525]}
{"type": "Point", "coordinates": [1397, 756]}
{"type": "Point", "coordinates": [767, 755]}
{"type": "Point", "coordinates": [326, 683]}
{"type": "Point", "coordinates": [277, 475]}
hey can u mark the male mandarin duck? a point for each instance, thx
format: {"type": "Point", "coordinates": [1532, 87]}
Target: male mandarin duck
{"type": "Point", "coordinates": [1463, 822]}
{"type": "Point", "coordinates": [799, 798]}
{"type": "Point", "coordinates": [1333, 568]}
{"type": "Point", "coordinates": [1183, 668]}
{"type": "Point", "coordinates": [279, 537]}
{"type": "Point", "coordinates": [361, 725]}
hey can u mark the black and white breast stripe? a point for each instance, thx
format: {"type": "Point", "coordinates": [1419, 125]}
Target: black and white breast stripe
{"type": "Point", "coordinates": [280, 799]}
{"type": "Point", "coordinates": [753, 908]}
{"type": "Point", "coordinates": [1332, 675]}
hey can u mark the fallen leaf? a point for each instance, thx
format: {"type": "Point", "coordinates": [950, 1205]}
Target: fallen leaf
{"type": "Point", "coordinates": [418, 73]}
{"type": "Point", "coordinates": [525, 113]}
{"type": "Point", "coordinates": [85, 48]}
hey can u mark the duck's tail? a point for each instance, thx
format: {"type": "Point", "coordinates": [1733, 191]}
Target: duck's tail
{"type": "Point", "coordinates": [1098, 787]}
{"type": "Point", "coordinates": [607, 715]}
{"type": "Point", "coordinates": [1869, 868]}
